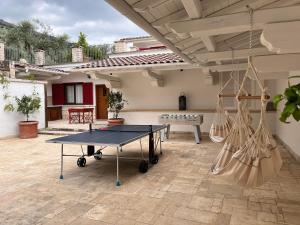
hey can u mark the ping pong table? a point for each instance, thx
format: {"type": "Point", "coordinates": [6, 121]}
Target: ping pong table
{"type": "Point", "coordinates": [115, 136]}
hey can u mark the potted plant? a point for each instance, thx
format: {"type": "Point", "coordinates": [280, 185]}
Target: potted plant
{"type": "Point", "coordinates": [115, 103]}
{"type": "Point", "coordinates": [28, 104]}
{"type": "Point", "coordinates": [292, 105]}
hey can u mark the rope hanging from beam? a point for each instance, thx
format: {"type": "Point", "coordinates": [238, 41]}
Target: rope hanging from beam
{"type": "Point", "coordinates": [249, 158]}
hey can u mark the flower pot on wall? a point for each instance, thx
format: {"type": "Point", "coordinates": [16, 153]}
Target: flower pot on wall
{"type": "Point", "coordinates": [114, 121]}
{"type": "Point", "coordinates": [28, 129]}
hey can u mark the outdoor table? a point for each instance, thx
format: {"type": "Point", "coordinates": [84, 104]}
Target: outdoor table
{"type": "Point", "coordinates": [81, 115]}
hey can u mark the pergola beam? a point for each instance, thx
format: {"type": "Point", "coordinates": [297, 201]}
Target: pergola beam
{"type": "Point", "coordinates": [112, 81]}
{"type": "Point", "coordinates": [209, 43]}
{"type": "Point", "coordinates": [282, 37]}
{"type": "Point", "coordinates": [264, 64]}
{"type": "Point", "coordinates": [227, 55]}
{"type": "Point", "coordinates": [193, 8]}
{"type": "Point", "coordinates": [238, 22]}
{"type": "Point", "coordinates": [142, 5]}
{"type": "Point", "coordinates": [181, 14]}
{"type": "Point", "coordinates": [155, 79]}
{"type": "Point", "coordinates": [277, 63]}
{"type": "Point", "coordinates": [228, 67]}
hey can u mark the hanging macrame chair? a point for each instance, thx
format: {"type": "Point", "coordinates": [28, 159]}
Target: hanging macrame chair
{"type": "Point", "coordinates": [222, 122]}
{"type": "Point", "coordinates": [258, 160]}
{"type": "Point", "coordinates": [240, 132]}
{"type": "Point", "coordinates": [237, 137]}
{"type": "Point", "coordinates": [221, 125]}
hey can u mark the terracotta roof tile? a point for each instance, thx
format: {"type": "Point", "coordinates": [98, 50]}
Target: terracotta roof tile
{"type": "Point", "coordinates": [162, 58]}
{"type": "Point", "coordinates": [35, 67]}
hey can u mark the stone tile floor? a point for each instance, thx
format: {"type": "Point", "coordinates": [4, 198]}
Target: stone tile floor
{"type": "Point", "coordinates": [179, 190]}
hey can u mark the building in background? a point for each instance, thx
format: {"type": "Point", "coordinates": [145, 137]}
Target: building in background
{"type": "Point", "coordinates": [137, 44]}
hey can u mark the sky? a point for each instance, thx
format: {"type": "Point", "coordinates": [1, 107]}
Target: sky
{"type": "Point", "coordinates": [97, 19]}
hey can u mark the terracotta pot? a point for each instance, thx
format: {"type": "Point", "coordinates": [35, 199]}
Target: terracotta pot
{"type": "Point", "coordinates": [28, 129]}
{"type": "Point", "coordinates": [113, 121]}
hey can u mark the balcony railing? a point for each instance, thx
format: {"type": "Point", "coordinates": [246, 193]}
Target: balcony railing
{"type": "Point", "coordinates": [52, 57]}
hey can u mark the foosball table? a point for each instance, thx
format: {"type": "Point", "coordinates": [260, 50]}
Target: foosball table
{"type": "Point", "coordinates": [194, 120]}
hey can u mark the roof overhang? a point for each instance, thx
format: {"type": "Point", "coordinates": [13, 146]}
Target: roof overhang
{"type": "Point", "coordinates": [137, 68]}
{"type": "Point", "coordinates": [127, 10]}
{"type": "Point", "coordinates": [206, 32]}
{"type": "Point", "coordinates": [40, 73]}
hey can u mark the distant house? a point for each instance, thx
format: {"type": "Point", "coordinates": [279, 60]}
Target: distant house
{"type": "Point", "coordinates": [150, 76]}
{"type": "Point", "coordinates": [87, 83]}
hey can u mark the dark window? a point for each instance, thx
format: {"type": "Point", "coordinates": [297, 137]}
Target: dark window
{"type": "Point", "coordinates": [73, 94]}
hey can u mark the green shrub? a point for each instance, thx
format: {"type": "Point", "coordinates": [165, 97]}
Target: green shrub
{"type": "Point", "coordinates": [115, 103]}
{"type": "Point", "coordinates": [28, 104]}
{"type": "Point", "coordinates": [292, 104]}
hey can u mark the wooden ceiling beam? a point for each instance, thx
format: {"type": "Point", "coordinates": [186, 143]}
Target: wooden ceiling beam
{"type": "Point", "coordinates": [193, 8]}
{"type": "Point", "coordinates": [143, 5]}
{"type": "Point", "coordinates": [181, 14]}
{"type": "Point", "coordinates": [277, 63]}
{"type": "Point", "coordinates": [155, 79]}
{"type": "Point", "coordinates": [282, 37]}
{"type": "Point", "coordinates": [238, 22]}
{"type": "Point", "coordinates": [227, 55]}
{"type": "Point", "coordinates": [112, 81]}
{"type": "Point", "coordinates": [193, 48]}
{"type": "Point", "coordinates": [209, 43]}
{"type": "Point", "coordinates": [228, 67]}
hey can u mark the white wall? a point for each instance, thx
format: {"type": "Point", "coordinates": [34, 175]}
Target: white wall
{"type": "Point", "coordinates": [152, 118]}
{"type": "Point", "coordinates": [141, 95]}
{"type": "Point", "coordinates": [146, 102]}
{"type": "Point", "coordinates": [150, 102]}
{"type": "Point", "coordinates": [9, 120]}
{"type": "Point", "coordinates": [288, 133]}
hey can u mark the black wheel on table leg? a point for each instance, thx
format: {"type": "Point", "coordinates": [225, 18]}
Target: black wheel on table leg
{"type": "Point", "coordinates": [155, 159]}
{"type": "Point", "coordinates": [143, 167]}
{"type": "Point", "coordinates": [81, 162]}
{"type": "Point", "coordinates": [98, 155]}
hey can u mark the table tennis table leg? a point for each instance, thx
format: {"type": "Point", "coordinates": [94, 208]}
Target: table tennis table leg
{"type": "Point", "coordinates": [118, 182]}
{"type": "Point", "coordinates": [160, 147]}
{"type": "Point", "coordinates": [61, 162]}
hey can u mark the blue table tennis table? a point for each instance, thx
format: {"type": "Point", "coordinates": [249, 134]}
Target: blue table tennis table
{"type": "Point", "coordinates": [114, 136]}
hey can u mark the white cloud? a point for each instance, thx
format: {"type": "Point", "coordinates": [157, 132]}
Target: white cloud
{"type": "Point", "coordinates": [99, 21]}
{"type": "Point", "coordinates": [49, 13]}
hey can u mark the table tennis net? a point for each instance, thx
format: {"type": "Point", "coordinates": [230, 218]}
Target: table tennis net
{"type": "Point", "coordinates": [130, 128]}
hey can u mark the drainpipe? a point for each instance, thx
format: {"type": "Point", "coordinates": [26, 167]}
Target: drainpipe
{"type": "Point", "coordinates": [124, 8]}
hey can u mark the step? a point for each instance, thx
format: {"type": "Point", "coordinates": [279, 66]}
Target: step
{"type": "Point", "coordinates": [56, 132]}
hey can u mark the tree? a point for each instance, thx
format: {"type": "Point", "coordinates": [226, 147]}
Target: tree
{"type": "Point", "coordinates": [3, 33]}
{"type": "Point", "coordinates": [22, 35]}
{"type": "Point", "coordinates": [116, 102]}
{"type": "Point", "coordinates": [33, 35]}
{"type": "Point", "coordinates": [82, 41]}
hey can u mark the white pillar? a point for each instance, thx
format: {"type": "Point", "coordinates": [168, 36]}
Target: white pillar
{"type": "Point", "coordinates": [39, 57]}
{"type": "Point", "coordinates": [77, 55]}
{"type": "Point", "coordinates": [2, 53]}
